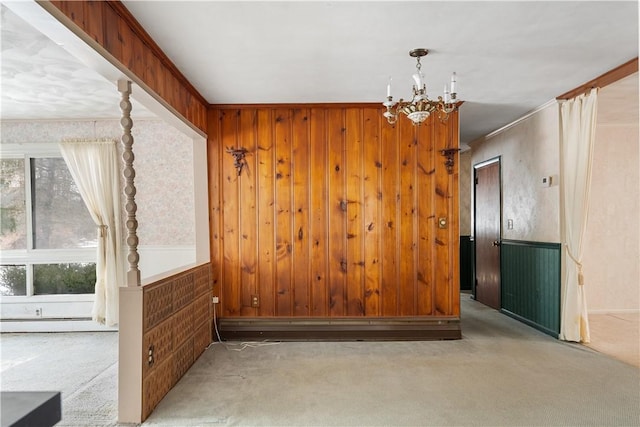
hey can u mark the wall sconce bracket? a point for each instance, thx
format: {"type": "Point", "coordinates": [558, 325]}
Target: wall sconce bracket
{"type": "Point", "coordinates": [239, 160]}
{"type": "Point", "coordinates": [449, 153]}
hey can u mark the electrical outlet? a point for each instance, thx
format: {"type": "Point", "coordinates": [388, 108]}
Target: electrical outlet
{"type": "Point", "coordinates": [39, 312]}
{"type": "Point", "coordinates": [151, 359]}
{"type": "Point", "coordinates": [255, 301]}
{"type": "Point", "coordinates": [215, 300]}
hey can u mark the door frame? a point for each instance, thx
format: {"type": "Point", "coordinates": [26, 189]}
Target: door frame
{"type": "Point", "coordinates": [480, 165]}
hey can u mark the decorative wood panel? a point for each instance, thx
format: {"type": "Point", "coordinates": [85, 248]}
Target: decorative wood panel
{"type": "Point", "coordinates": [201, 340]}
{"type": "Point", "coordinates": [182, 360]}
{"type": "Point", "coordinates": [530, 279]}
{"type": "Point", "coordinates": [159, 342]}
{"type": "Point", "coordinates": [183, 291]}
{"type": "Point", "coordinates": [158, 303]}
{"type": "Point", "coordinates": [335, 213]}
{"type": "Point", "coordinates": [177, 329]}
{"type": "Point", "coordinates": [182, 326]}
{"type": "Point", "coordinates": [112, 26]}
{"type": "Point", "coordinates": [156, 385]}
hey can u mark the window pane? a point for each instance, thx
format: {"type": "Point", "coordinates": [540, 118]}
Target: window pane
{"type": "Point", "coordinates": [79, 278]}
{"type": "Point", "coordinates": [60, 217]}
{"type": "Point", "coordinates": [13, 280]}
{"type": "Point", "coordinates": [13, 218]}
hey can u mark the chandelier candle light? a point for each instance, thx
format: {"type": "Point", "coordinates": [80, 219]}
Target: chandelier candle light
{"type": "Point", "coordinates": [420, 107]}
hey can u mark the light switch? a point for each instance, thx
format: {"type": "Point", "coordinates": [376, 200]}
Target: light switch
{"type": "Point", "coordinates": [509, 224]}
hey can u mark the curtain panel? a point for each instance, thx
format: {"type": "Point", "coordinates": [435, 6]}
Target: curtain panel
{"type": "Point", "coordinates": [577, 135]}
{"type": "Point", "coordinates": [94, 167]}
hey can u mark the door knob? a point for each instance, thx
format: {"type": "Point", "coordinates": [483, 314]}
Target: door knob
{"type": "Point", "coordinates": [496, 243]}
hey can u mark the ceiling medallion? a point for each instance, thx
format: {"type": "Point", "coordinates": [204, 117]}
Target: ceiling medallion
{"type": "Point", "coordinates": [420, 107]}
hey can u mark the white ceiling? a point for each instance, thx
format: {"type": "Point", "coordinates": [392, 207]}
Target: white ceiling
{"type": "Point", "coordinates": [510, 57]}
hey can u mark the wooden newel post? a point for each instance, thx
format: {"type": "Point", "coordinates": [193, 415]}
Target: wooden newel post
{"type": "Point", "coordinates": [133, 273]}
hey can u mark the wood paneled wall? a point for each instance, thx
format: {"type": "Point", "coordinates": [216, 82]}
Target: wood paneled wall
{"type": "Point", "coordinates": [112, 27]}
{"type": "Point", "coordinates": [335, 213]}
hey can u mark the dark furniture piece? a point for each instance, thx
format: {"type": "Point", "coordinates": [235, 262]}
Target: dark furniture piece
{"type": "Point", "coordinates": [30, 408]}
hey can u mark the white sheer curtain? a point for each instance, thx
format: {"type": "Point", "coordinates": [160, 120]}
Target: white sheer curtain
{"type": "Point", "coordinates": [94, 167]}
{"type": "Point", "coordinates": [577, 134]}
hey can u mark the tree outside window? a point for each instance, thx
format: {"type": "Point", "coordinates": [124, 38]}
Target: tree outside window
{"type": "Point", "coordinates": [59, 220]}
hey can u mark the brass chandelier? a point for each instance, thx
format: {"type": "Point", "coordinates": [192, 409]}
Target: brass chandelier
{"type": "Point", "coordinates": [420, 107]}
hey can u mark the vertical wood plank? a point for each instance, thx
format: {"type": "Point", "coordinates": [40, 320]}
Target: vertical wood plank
{"type": "Point", "coordinates": [300, 172]}
{"type": "Point", "coordinates": [442, 243]}
{"type": "Point", "coordinates": [266, 224]}
{"type": "Point", "coordinates": [372, 225]}
{"type": "Point", "coordinates": [230, 198]}
{"type": "Point", "coordinates": [248, 214]}
{"type": "Point", "coordinates": [126, 38]}
{"type": "Point", "coordinates": [425, 176]}
{"type": "Point", "coordinates": [353, 172]}
{"type": "Point", "coordinates": [390, 223]}
{"type": "Point", "coordinates": [75, 11]}
{"type": "Point", "coordinates": [319, 195]}
{"type": "Point", "coordinates": [337, 212]}
{"type": "Point", "coordinates": [138, 57]}
{"type": "Point", "coordinates": [93, 20]}
{"type": "Point", "coordinates": [454, 212]}
{"type": "Point", "coordinates": [112, 37]}
{"type": "Point", "coordinates": [283, 211]}
{"type": "Point", "coordinates": [151, 65]}
{"type": "Point", "coordinates": [163, 84]}
{"type": "Point", "coordinates": [407, 143]}
{"type": "Point", "coordinates": [214, 165]}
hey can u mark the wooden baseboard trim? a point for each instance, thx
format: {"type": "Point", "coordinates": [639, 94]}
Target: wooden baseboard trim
{"type": "Point", "coordinates": [343, 329]}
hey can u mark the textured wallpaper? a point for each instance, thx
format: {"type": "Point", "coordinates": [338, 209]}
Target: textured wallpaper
{"type": "Point", "coordinates": [529, 151]}
{"type": "Point", "coordinates": [612, 250]}
{"type": "Point", "coordinates": [164, 171]}
{"type": "Point", "coordinates": [465, 193]}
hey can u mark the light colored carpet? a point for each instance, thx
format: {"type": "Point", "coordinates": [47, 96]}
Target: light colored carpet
{"type": "Point", "coordinates": [616, 334]}
{"type": "Point", "coordinates": [81, 365]}
{"type": "Point", "coordinates": [501, 373]}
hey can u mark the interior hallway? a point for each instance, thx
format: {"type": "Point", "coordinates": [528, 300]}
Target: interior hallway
{"type": "Point", "coordinates": [501, 373]}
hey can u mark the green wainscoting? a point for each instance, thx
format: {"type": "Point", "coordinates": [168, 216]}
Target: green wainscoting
{"type": "Point", "coordinates": [467, 259]}
{"type": "Point", "coordinates": [530, 281]}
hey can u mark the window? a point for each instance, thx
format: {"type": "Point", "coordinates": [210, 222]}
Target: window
{"type": "Point", "coordinates": [13, 280]}
{"type": "Point", "coordinates": [47, 237]}
{"type": "Point", "coordinates": [60, 217]}
{"type": "Point", "coordinates": [13, 217]}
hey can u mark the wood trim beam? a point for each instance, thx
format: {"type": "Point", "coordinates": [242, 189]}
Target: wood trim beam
{"type": "Point", "coordinates": [605, 79]}
{"type": "Point", "coordinates": [377, 105]}
{"type": "Point", "coordinates": [139, 30]}
{"type": "Point", "coordinates": [285, 106]}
